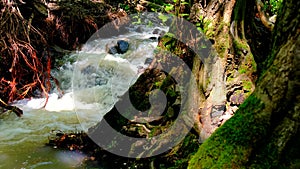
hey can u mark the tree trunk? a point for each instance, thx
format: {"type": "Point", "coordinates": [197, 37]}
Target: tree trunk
{"type": "Point", "coordinates": [234, 72]}
{"type": "Point", "coordinates": [264, 132]}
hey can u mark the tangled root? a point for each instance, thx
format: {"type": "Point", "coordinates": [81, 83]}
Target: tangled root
{"type": "Point", "coordinates": [22, 70]}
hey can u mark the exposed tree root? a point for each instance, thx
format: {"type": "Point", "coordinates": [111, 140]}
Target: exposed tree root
{"type": "Point", "coordinates": [22, 70]}
{"type": "Point", "coordinates": [14, 109]}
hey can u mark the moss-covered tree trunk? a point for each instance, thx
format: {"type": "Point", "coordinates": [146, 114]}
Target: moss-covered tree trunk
{"type": "Point", "coordinates": [234, 71]}
{"type": "Point", "coordinates": [264, 132]}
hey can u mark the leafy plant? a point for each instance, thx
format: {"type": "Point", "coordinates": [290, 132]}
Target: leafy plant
{"type": "Point", "coordinates": [138, 20]}
{"type": "Point", "coordinates": [272, 5]}
{"type": "Point", "coordinates": [163, 17]}
{"type": "Point", "coordinates": [169, 7]}
{"type": "Point", "coordinates": [126, 7]}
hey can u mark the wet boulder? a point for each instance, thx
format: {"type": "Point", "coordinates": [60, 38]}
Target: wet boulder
{"type": "Point", "coordinates": [123, 46]}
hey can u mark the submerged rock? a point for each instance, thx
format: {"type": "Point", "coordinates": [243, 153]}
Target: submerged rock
{"type": "Point", "coordinates": [148, 61]}
{"type": "Point", "coordinates": [121, 47]}
{"type": "Point", "coordinates": [111, 48]}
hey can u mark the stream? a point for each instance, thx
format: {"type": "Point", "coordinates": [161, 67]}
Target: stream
{"type": "Point", "coordinates": [92, 81]}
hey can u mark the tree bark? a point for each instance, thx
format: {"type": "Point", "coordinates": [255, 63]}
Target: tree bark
{"type": "Point", "coordinates": [233, 75]}
{"type": "Point", "coordinates": [265, 128]}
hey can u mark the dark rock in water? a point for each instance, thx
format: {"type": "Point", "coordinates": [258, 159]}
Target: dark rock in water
{"type": "Point", "coordinates": [148, 61]}
{"type": "Point", "coordinates": [162, 33]}
{"type": "Point", "coordinates": [122, 46]}
{"type": "Point", "coordinates": [155, 31]}
{"type": "Point", "coordinates": [111, 48]}
{"type": "Point", "coordinates": [139, 29]}
{"type": "Point", "coordinates": [152, 38]}
{"type": "Point", "coordinates": [88, 70]}
{"type": "Point", "coordinates": [100, 81]}
{"type": "Point", "coordinates": [141, 69]}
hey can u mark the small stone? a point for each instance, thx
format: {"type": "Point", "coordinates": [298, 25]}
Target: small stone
{"type": "Point", "coordinates": [155, 31]}
{"type": "Point", "coordinates": [148, 61]}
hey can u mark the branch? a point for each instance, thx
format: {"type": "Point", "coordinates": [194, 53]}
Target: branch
{"type": "Point", "coordinates": [263, 17]}
{"type": "Point", "coordinates": [15, 109]}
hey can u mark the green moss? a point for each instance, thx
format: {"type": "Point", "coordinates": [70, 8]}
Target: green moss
{"type": "Point", "coordinates": [221, 26]}
{"type": "Point", "coordinates": [247, 85]}
{"type": "Point", "coordinates": [231, 145]}
{"type": "Point", "coordinates": [155, 131]}
{"type": "Point", "coordinates": [242, 70]}
{"type": "Point", "coordinates": [231, 77]}
{"type": "Point", "coordinates": [248, 65]}
{"type": "Point", "coordinates": [183, 152]}
{"type": "Point", "coordinates": [239, 46]}
{"type": "Point", "coordinates": [223, 45]}
{"type": "Point", "coordinates": [157, 84]}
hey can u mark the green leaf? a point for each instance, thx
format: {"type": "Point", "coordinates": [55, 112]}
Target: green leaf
{"type": "Point", "coordinates": [150, 24]}
{"type": "Point", "coordinates": [184, 3]}
{"type": "Point", "coordinates": [170, 34]}
{"type": "Point", "coordinates": [201, 17]}
{"type": "Point", "coordinates": [184, 14]}
{"type": "Point", "coordinates": [169, 7]}
{"type": "Point", "coordinates": [163, 17]}
{"type": "Point", "coordinates": [203, 46]}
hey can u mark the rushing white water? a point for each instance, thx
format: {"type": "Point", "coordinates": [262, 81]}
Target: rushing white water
{"type": "Point", "coordinates": [92, 85]}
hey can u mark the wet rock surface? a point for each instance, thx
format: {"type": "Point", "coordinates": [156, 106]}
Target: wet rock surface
{"type": "Point", "coordinates": [121, 47]}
